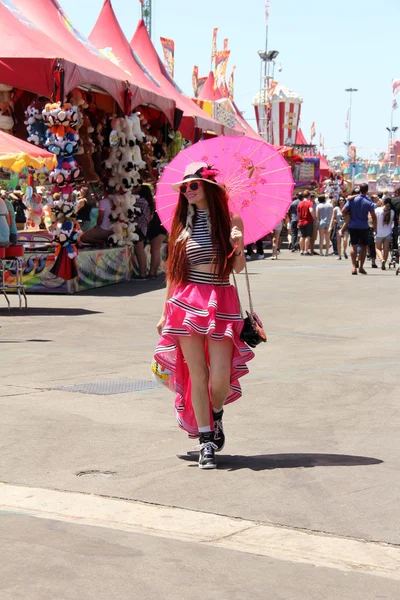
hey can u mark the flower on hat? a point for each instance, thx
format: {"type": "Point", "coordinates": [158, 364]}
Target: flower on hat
{"type": "Point", "coordinates": [209, 173]}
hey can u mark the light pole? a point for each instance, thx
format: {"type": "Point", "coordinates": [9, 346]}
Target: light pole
{"type": "Point", "coordinates": [266, 59]}
{"type": "Point", "coordinates": [350, 90]}
{"type": "Point", "coordinates": [392, 130]}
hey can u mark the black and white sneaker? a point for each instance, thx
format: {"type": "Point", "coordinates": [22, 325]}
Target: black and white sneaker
{"type": "Point", "coordinates": [207, 449]}
{"type": "Point", "coordinates": [219, 436]}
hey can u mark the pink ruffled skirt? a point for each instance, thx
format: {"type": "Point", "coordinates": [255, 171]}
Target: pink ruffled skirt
{"type": "Point", "coordinates": [209, 310]}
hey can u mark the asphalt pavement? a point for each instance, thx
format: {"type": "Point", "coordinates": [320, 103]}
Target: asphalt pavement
{"type": "Point", "coordinates": [100, 499]}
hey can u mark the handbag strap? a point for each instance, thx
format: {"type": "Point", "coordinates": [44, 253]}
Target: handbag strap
{"type": "Point", "coordinates": [248, 290]}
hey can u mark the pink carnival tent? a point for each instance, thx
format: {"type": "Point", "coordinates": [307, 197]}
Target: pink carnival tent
{"type": "Point", "coordinates": [193, 116]}
{"type": "Point", "coordinates": [86, 64]}
{"type": "Point", "coordinates": [300, 139]}
{"type": "Point", "coordinates": [324, 168]}
{"type": "Point", "coordinates": [28, 57]}
{"type": "Point", "coordinates": [209, 92]}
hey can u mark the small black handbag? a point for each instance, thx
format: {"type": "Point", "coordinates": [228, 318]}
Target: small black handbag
{"type": "Point", "coordinates": [253, 331]}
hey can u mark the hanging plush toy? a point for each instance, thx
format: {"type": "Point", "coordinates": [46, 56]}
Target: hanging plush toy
{"type": "Point", "coordinates": [34, 212]}
{"type": "Point", "coordinates": [86, 149]}
{"type": "Point", "coordinates": [35, 124]}
{"type": "Point", "coordinates": [123, 167]}
{"type": "Point", "coordinates": [65, 240]}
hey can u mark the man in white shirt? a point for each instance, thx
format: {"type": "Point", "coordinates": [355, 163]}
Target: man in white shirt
{"type": "Point", "coordinates": [100, 234]}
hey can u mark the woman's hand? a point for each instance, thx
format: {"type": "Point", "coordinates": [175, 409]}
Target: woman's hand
{"type": "Point", "coordinates": [236, 236]}
{"type": "Point", "coordinates": [161, 324]}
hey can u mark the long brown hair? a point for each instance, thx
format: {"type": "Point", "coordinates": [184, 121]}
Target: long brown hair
{"type": "Point", "coordinates": [387, 210]}
{"type": "Point", "coordinates": [220, 220]}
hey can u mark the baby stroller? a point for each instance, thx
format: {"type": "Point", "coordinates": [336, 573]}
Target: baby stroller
{"type": "Point", "coordinates": [394, 260]}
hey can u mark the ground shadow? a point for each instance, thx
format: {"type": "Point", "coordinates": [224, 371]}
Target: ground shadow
{"type": "Point", "coordinates": [48, 312]}
{"type": "Point", "coordinates": [22, 341]}
{"type": "Point", "coordinates": [127, 288]}
{"type": "Point", "coordinates": [265, 462]}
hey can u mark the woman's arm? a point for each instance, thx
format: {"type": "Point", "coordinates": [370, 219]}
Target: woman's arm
{"type": "Point", "coordinates": [332, 220]}
{"type": "Point", "coordinates": [238, 241]}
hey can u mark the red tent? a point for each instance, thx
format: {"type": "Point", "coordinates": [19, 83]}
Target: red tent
{"type": "Point", "coordinates": [300, 139]}
{"type": "Point", "coordinates": [193, 116]}
{"type": "Point", "coordinates": [209, 92]}
{"type": "Point", "coordinates": [97, 70]}
{"type": "Point", "coordinates": [27, 56]}
{"type": "Point", "coordinates": [324, 168]}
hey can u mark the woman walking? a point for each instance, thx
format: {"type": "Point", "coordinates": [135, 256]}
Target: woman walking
{"type": "Point", "coordinates": [324, 216]}
{"type": "Point", "coordinates": [385, 220]}
{"type": "Point", "coordinates": [276, 235]}
{"type": "Point", "coordinates": [145, 203]}
{"type": "Point", "coordinates": [337, 222]}
{"type": "Point", "coordinates": [200, 325]}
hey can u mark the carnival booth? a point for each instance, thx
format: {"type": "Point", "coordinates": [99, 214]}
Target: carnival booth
{"type": "Point", "coordinates": [281, 108]}
{"type": "Point", "coordinates": [63, 95]}
{"type": "Point", "coordinates": [112, 118]}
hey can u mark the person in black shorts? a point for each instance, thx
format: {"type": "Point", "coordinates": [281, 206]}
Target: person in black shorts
{"type": "Point", "coordinates": [156, 234]}
{"type": "Point", "coordinates": [356, 212]}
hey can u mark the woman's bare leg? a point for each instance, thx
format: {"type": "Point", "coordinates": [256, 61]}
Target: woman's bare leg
{"type": "Point", "coordinates": [386, 246]}
{"type": "Point", "coordinates": [141, 258]}
{"type": "Point", "coordinates": [327, 241]}
{"type": "Point", "coordinates": [339, 244]}
{"type": "Point", "coordinates": [155, 245]}
{"type": "Point", "coordinates": [193, 349]}
{"type": "Point", "coordinates": [379, 253]}
{"type": "Point", "coordinates": [321, 240]}
{"type": "Point", "coordinates": [220, 354]}
{"type": "Point", "coordinates": [345, 241]}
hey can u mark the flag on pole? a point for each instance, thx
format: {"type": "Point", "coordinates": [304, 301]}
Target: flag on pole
{"type": "Point", "coordinates": [395, 86]}
{"type": "Point", "coordinates": [312, 131]}
{"type": "Point", "coordinates": [231, 84]}
{"type": "Point", "coordinates": [214, 45]}
{"type": "Point", "coordinates": [395, 106]}
{"type": "Point", "coordinates": [267, 6]}
{"type": "Point", "coordinates": [348, 118]}
{"type": "Point", "coordinates": [226, 44]}
{"type": "Point", "coordinates": [168, 47]}
{"type": "Point", "coordinates": [195, 81]}
{"type": "Point", "coordinates": [272, 88]}
{"type": "Point", "coordinates": [221, 63]}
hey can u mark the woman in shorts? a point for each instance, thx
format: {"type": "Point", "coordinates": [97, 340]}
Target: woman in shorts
{"type": "Point", "coordinates": [385, 220]}
{"type": "Point", "coordinates": [276, 235]}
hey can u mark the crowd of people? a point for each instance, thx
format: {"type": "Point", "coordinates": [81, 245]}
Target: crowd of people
{"type": "Point", "coordinates": [92, 210]}
{"type": "Point", "coordinates": [331, 223]}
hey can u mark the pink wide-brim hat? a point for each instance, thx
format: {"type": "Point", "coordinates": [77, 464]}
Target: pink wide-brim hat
{"type": "Point", "coordinates": [193, 173]}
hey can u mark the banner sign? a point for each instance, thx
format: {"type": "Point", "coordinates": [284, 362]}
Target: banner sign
{"type": "Point", "coordinates": [231, 84]}
{"type": "Point", "coordinates": [168, 47]}
{"type": "Point", "coordinates": [214, 44]}
{"type": "Point", "coordinates": [195, 81]}
{"type": "Point", "coordinates": [221, 63]}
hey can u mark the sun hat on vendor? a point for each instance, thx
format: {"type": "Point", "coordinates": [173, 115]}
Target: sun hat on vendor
{"type": "Point", "coordinates": [198, 171]}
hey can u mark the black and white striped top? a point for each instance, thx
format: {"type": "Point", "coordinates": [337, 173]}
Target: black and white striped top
{"type": "Point", "coordinates": [199, 248]}
{"type": "Point", "coordinates": [200, 251]}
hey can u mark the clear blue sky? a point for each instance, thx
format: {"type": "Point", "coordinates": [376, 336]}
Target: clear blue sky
{"type": "Point", "coordinates": [324, 48]}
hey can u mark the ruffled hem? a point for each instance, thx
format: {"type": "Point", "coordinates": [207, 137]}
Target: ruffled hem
{"type": "Point", "coordinates": [211, 311]}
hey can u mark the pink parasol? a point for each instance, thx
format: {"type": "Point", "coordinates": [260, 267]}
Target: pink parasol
{"type": "Point", "coordinates": [258, 180]}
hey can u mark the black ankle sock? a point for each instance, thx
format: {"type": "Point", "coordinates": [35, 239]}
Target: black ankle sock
{"type": "Point", "coordinates": [218, 414]}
